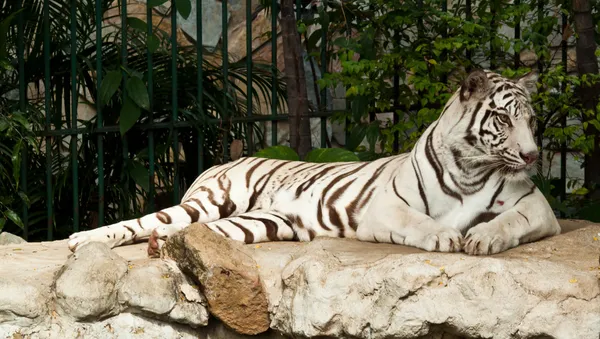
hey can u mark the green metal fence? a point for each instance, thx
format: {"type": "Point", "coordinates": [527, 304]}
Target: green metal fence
{"type": "Point", "coordinates": [55, 131]}
{"type": "Point", "coordinates": [104, 130]}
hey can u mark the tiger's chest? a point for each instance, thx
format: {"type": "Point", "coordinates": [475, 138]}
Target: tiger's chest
{"type": "Point", "coordinates": [482, 206]}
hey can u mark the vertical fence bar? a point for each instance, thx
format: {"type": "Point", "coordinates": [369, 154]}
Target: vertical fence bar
{"type": "Point", "coordinates": [22, 101]}
{"type": "Point", "coordinates": [250, 131]}
{"type": "Point", "coordinates": [47, 125]}
{"type": "Point", "coordinates": [125, 154]}
{"type": "Point", "coordinates": [563, 122]}
{"type": "Point", "coordinates": [469, 16]}
{"type": "Point", "coordinates": [175, 107]}
{"type": "Point", "coordinates": [200, 82]}
{"type": "Point", "coordinates": [540, 132]}
{"type": "Point", "coordinates": [225, 115]}
{"type": "Point", "coordinates": [396, 117]}
{"type": "Point", "coordinates": [150, 61]}
{"type": "Point", "coordinates": [324, 33]}
{"type": "Point", "coordinates": [100, 121]}
{"type": "Point", "coordinates": [274, 11]}
{"type": "Point", "coordinates": [493, 24]}
{"type": "Point", "coordinates": [540, 13]}
{"type": "Point", "coordinates": [517, 57]}
{"type": "Point", "coordinates": [445, 36]}
{"type": "Point", "coordinates": [74, 99]}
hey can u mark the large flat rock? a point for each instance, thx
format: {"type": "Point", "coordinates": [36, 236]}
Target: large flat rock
{"type": "Point", "coordinates": [347, 289]}
{"type": "Point", "coordinates": [337, 288]}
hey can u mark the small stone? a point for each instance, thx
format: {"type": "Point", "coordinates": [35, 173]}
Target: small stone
{"type": "Point", "coordinates": [8, 238]}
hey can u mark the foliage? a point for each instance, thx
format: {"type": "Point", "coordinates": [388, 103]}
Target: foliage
{"type": "Point", "coordinates": [426, 50]}
{"type": "Point", "coordinates": [128, 100]}
{"type": "Point", "coordinates": [278, 152]}
{"type": "Point", "coordinates": [319, 155]}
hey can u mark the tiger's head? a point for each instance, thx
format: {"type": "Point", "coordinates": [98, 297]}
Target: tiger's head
{"type": "Point", "coordinates": [497, 123]}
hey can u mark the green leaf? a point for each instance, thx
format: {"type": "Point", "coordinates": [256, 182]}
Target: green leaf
{"type": "Point", "coordinates": [12, 215]}
{"type": "Point", "coordinates": [184, 8]}
{"type": "Point", "coordinates": [278, 152]}
{"type": "Point", "coordinates": [581, 191]}
{"type": "Point", "coordinates": [154, 3]}
{"type": "Point", "coordinates": [359, 107]}
{"type": "Point", "coordinates": [2, 222]}
{"type": "Point", "coordinates": [140, 175]}
{"type": "Point", "coordinates": [4, 26]}
{"type": "Point", "coordinates": [137, 24]}
{"type": "Point", "coordinates": [373, 133]}
{"type": "Point", "coordinates": [109, 86]}
{"type": "Point", "coordinates": [368, 156]}
{"type": "Point", "coordinates": [153, 43]}
{"type": "Point", "coordinates": [137, 91]}
{"type": "Point", "coordinates": [3, 125]}
{"type": "Point", "coordinates": [330, 155]}
{"type": "Point", "coordinates": [16, 161]}
{"type": "Point", "coordinates": [356, 136]}
{"type": "Point", "coordinates": [22, 120]}
{"type": "Point", "coordinates": [130, 113]}
{"type": "Point", "coordinates": [25, 198]}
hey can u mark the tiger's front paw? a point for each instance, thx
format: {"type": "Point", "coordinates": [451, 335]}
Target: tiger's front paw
{"type": "Point", "coordinates": [486, 239]}
{"type": "Point", "coordinates": [443, 240]}
{"type": "Point", "coordinates": [76, 240]}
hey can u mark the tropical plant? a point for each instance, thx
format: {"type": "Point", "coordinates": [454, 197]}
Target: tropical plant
{"type": "Point", "coordinates": [130, 102]}
{"type": "Point", "coordinates": [408, 57]}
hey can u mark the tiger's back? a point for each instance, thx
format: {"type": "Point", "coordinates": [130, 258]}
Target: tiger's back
{"type": "Point", "coordinates": [319, 199]}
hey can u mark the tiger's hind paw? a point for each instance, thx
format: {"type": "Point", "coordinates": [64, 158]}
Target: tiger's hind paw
{"type": "Point", "coordinates": [155, 243]}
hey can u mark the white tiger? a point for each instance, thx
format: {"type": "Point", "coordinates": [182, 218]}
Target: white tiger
{"type": "Point", "coordinates": [466, 176]}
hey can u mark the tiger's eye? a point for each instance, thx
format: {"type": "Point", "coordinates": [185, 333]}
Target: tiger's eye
{"type": "Point", "coordinates": [505, 119]}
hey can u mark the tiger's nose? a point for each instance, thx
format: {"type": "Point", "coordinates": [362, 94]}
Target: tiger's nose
{"type": "Point", "coordinates": [529, 158]}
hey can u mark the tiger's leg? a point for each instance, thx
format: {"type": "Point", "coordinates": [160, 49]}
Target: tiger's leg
{"type": "Point", "coordinates": [250, 227]}
{"type": "Point", "coordinates": [390, 221]}
{"type": "Point", "coordinates": [129, 231]}
{"type": "Point", "coordinates": [530, 219]}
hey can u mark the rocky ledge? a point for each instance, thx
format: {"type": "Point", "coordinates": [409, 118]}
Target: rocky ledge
{"type": "Point", "coordinates": [210, 287]}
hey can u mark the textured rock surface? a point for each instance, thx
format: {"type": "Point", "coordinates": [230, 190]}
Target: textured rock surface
{"type": "Point", "coordinates": [125, 326]}
{"type": "Point", "coordinates": [344, 289]}
{"type": "Point", "coordinates": [86, 286]}
{"type": "Point", "coordinates": [347, 289]}
{"type": "Point", "coordinates": [328, 288]}
{"type": "Point", "coordinates": [44, 290]}
{"type": "Point", "coordinates": [228, 275]}
{"type": "Point", "coordinates": [9, 238]}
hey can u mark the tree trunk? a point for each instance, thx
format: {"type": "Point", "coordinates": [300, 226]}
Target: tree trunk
{"type": "Point", "coordinates": [588, 64]}
{"type": "Point", "coordinates": [300, 139]}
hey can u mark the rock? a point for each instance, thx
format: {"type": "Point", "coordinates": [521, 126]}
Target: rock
{"type": "Point", "coordinates": [332, 288]}
{"type": "Point", "coordinates": [158, 288]}
{"type": "Point", "coordinates": [8, 238]}
{"type": "Point", "coordinates": [339, 288]}
{"type": "Point", "coordinates": [227, 274]}
{"type": "Point", "coordinates": [125, 326]}
{"type": "Point", "coordinates": [149, 287]}
{"type": "Point", "coordinates": [86, 286]}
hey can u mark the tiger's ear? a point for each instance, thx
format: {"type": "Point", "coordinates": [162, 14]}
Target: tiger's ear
{"type": "Point", "coordinates": [529, 81]}
{"type": "Point", "coordinates": [475, 86]}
